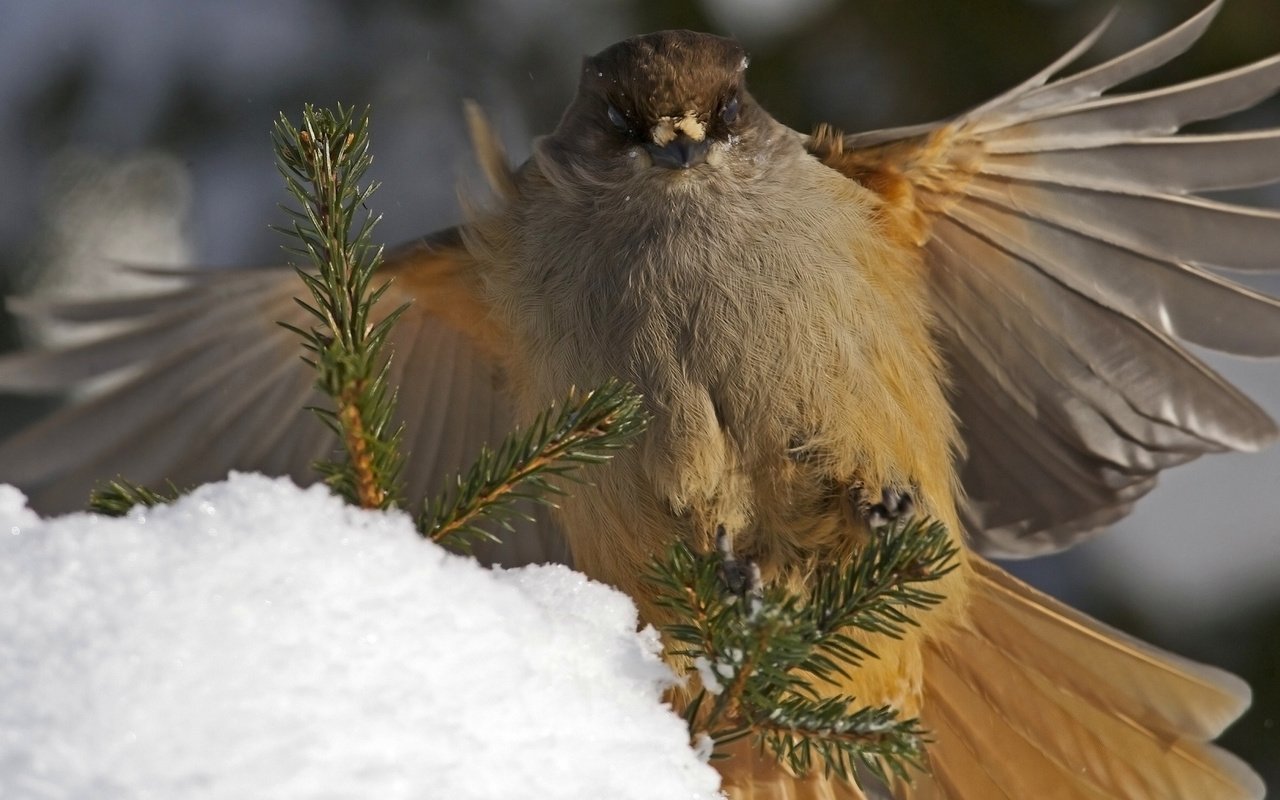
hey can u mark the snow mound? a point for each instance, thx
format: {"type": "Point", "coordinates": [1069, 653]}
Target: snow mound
{"type": "Point", "coordinates": [259, 640]}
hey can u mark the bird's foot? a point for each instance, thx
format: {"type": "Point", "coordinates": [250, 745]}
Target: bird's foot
{"type": "Point", "coordinates": [740, 577]}
{"type": "Point", "coordinates": [895, 503]}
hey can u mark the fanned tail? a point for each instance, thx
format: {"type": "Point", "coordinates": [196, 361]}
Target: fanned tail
{"type": "Point", "coordinates": [1030, 699]}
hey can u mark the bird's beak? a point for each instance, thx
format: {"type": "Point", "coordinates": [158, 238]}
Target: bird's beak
{"type": "Point", "coordinates": [681, 152]}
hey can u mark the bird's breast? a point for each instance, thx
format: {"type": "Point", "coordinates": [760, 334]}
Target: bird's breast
{"type": "Point", "coordinates": [779, 337]}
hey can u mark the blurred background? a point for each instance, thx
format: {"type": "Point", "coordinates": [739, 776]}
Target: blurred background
{"type": "Point", "coordinates": [138, 131]}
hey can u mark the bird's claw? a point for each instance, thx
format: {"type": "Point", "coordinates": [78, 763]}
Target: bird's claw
{"type": "Point", "coordinates": [740, 577]}
{"type": "Point", "coordinates": [894, 504]}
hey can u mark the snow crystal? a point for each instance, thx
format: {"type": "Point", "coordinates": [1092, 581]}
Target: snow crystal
{"type": "Point", "coordinates": [710, 681]}
{"type": "Point", "coordinates": [260, 640]}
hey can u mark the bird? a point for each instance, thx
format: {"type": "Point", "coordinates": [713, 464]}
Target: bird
{"type": "Point", "coordinates": [985, 320]}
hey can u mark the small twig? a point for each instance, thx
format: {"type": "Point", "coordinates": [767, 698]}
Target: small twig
{"type": "Point", "coordinates": [779, 645]}
{"type": "Point", "coordinates": [587, 428]}
{"type": "Point", "coordinates": [323, 163]}
{"type": "Point", "coordinates": [115, 498]}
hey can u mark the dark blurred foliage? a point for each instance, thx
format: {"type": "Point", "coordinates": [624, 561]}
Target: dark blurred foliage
{"type": "Point", "coordinates": [202, 82]}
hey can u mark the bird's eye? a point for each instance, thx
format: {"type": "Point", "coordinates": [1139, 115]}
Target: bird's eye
{"type": "Point", "coordinates": [729, 113]}
{"type": "Point", "coordinates": [618, 120]}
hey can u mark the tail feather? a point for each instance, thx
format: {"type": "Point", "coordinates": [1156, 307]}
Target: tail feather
{"type": "Point", "coordinates": [1055, 733]}
{"type": "Point", "coordinates": [974, 744]}
{"type": "Point", "coordinates": [960, 767]}
{"type": "Point", "coordinates": [751, 775]}
{"type": "Point", "coordinates": [1034, 700]}
{"type": "Point", "coordinates": [1156, 689]}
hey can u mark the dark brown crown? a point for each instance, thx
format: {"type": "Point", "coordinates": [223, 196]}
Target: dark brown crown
{"type": "Point", "coordinates": [666, 74]}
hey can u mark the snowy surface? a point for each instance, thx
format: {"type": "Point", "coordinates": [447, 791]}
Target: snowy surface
{"type": "Point", "coordinates": [261, 640]}
{"type": "Point", "coordinates": [1203, 547]}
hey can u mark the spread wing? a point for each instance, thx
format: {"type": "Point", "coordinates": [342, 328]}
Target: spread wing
{"type": "Point", "coordinates": [212, 383]}
{"type": "Point", "coordinates": [1071, 261]}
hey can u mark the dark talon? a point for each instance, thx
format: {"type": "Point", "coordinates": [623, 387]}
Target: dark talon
{"type": "Point", "coordinates": [894, 504]}
{"type": "Point", "coordinates": [741, 577]}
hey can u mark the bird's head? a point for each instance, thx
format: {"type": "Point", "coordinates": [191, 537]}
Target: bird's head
{"type": "Point", "coordinates": [673, 101]}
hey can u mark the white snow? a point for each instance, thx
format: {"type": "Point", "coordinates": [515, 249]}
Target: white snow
{"type": "Point", "coordinates": [707, 675]}
{"type": "Point", "coordinates": [257, 640]}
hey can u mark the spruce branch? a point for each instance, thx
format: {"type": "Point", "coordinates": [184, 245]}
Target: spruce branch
{"type": "Point", "coordinates": [587, 428]}
{"type": "Point", "coordinates": [839, 737]}
{"type": "Point", "coordinates": [322, 163]}
{"type": "Point", "coordinates": [872, 592]}
{"type": "Point", "coordinates": [114, 498]}
{"type": "Point", "coordinates": [760, 659]}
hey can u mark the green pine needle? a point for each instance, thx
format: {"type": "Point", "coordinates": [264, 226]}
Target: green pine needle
{"type": "Point", "coordinates": [323, 163]}
{"type": "Point", "coordinates": [759, 657]}
{"type": "Point", "coordinates": [115, 498]}
{"type": "Point", "coordinates": [586, 429]}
